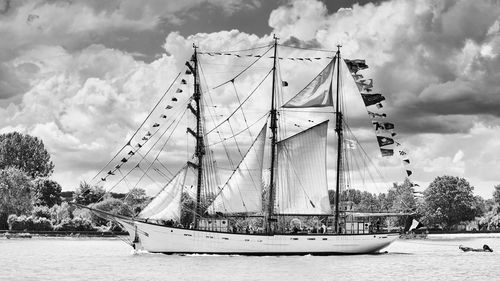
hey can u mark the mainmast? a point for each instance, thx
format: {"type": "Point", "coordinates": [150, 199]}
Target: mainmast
{"type": "Point", "coordinates": [200, 147]}
{"type": "Point", "coordinates": [338, 129]}
{"type": "Point", "coordinates": [270, 209]}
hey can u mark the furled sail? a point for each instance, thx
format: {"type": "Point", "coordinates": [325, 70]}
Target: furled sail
{"type": "Point", "coordinates": [167, 204]}
{"type": "Point", "coordinates": [301, 173]}
{"type": "Point", "coordinates": [242, 193]}
{"type": "Point", "coordinates": [318, 93]}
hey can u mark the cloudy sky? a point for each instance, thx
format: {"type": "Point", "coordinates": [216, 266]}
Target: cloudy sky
{"type": "Point", "coordinates": [81, 75]}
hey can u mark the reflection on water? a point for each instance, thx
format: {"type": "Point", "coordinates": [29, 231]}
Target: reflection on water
{"type": "Point", "coordinates": [93, 259]}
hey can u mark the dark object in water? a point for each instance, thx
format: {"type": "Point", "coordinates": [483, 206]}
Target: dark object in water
{"type": "Point", "coordinates": [485, 248]}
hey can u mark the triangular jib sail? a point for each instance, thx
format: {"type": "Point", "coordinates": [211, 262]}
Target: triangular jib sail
{"type": "Point", "coordinates": [302, 180]}
{"type": "Point", "coordinates": [242, 193]}
{"type": "Point", "coordinates": [318, 93]}
{"type": "Point", "coordinates": [167, 204]}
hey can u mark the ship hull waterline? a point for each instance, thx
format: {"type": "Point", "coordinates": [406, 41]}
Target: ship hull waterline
{"type": "Point", "coordinates": [170, 240]}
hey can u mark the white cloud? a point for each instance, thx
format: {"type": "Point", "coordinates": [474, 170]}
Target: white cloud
{"type": "Point", "coordinates": [435, 61]}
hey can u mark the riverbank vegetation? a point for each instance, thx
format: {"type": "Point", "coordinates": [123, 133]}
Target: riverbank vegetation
{"type": "Point", "coordinates": [30, 200]}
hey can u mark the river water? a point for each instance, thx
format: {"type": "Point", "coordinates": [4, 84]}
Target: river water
{"type": "Point", "coordinates": [436, 258]}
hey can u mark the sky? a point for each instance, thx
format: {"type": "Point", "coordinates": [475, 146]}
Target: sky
{"type": "Point", "coordinates": [82, 75]}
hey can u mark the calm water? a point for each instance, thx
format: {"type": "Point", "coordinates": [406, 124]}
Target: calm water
{"type": "Point", "coordinates": [93, 259]}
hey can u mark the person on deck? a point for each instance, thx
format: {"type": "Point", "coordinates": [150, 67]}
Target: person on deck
{"type": "Point", "coordinates": [323, 228]}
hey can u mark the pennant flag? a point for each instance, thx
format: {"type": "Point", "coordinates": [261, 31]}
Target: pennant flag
{"type": "Point", "coordinates": [156, 125]}
{"type": "Point", "coordinates": [183, 81]}
{"type": "Point", "coordinates": [111, 173]}
{"type": "Point", "coordinates": [356, 65]}
{"type": "Point", "coordinates": [284, 83]}
{"type": "Point", "coordinates": [375, 115]}
{"type": "Point", "coordinates": [406, 161]}
{"type": "Point", "coordinates": [103, 179]}
{"type": "Point", "coordinates": [139, 145]}
{"type": "Point", "coordinates": [174, 99]}
{"type": "Point", "coordinates": [131, 152]}
{"type": "Point", "coordinates": [144, 138]}
{"type": "Point", "coordinates": [178, 91]}
{"type": "Point", "coordinates": [415, 225]}
{"type": "Point", "coordinates": [318, 93]}
{"type": "Point", "coordinates": [357, 76]}
{"type": "Point", "coordinates": [168, 107]}
{"type": "Point", "coordinates": [383, 125]}
{"type": "Point", "coordinates": [118, 167]}
{"type": "Point", "coordinates": [163, 116]}
{"type": "Point", "coordinates": [148, 134]}
{"type": "Point", "coordinates": [408, 172]}
{"type": "Point", "coordinates": [383, 141]}
{"type": "Point", "coordinates": [371, 99]}
{"type": "Point", "coordinates": [124, 160]}
{"type": "Point", "coordinates": [387, 152]}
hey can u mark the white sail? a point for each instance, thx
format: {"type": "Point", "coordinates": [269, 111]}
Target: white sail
{"type": "Point", "coordinates": [242, 193]}
{"type": "Point", "coordinates": [167, 204]}
{"type": "Point", "coordinates": [301, 174]}
{"type": "Point", "coordinates": [318, 93]}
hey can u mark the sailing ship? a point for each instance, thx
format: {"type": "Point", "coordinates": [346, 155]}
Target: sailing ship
{"type": "Point", "coordinates": [259, 209]}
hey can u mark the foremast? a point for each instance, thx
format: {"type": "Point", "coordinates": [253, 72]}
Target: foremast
{"type": "Point", "coordinates": [338, 130]}
{"type": "Point", "coordinates": [274, 126]}
{"type": "Point", "coordinates": [198, 134]}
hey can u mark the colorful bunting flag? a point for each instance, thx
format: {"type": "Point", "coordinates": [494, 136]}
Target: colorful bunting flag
{"type": "Point", "coordinates": [124, 160]}
{"type": "Point", "coordinates": [356, 65]}
{"type": "Point", "coordinates": [387, 152]}
{"type": "Point", "coordinates": [383, 141]}
{"type": "Point", "coordinates": [156, 125]}
{"type": "Point", "coordinates": [371, 99]}
{"type": "Point", "coordinates": [375, 115]}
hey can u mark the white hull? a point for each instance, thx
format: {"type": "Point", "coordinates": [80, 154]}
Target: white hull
{"type": "Point", "coordinates": [162, 239]}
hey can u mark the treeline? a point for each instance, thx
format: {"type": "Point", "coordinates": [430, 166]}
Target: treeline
{"type": "Point", "coordinates": [447, 203]}
{"type": "Point", "coordinates": [30, 200]}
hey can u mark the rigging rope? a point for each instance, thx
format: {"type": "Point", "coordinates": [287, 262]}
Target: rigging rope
{"type": "Point", "coordinates": [245, 69]}
{"type": "Point", "coordinates": [142, 124]}
{"type": "Point", "coordinates": [240, 105]}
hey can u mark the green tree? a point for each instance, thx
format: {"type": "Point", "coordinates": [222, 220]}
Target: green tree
{"type": "Point", "coordinates": [136, 199]}
{"type": "Point", "coordinates": [15, 194]}
{"type": "Point", "coordinates": [26, 153]}
{"type": "Point", "coordinates": [401, 197]}
{"type": "Point", "coordinates": [496, 194]}
{"type": "Point", "coordinates": [448, 201]}
{"type": "Point", "coordinates": [46, 192]}
{"type": "Point", "coordinates": [87, 194]}
{"type": "Point", "coordinates": [113, 206]}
